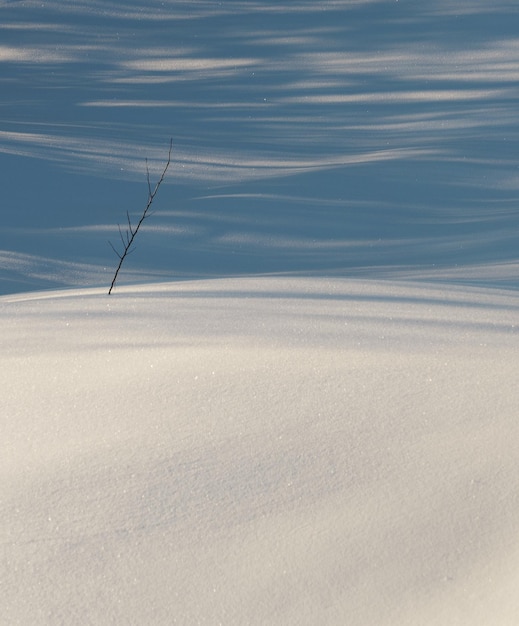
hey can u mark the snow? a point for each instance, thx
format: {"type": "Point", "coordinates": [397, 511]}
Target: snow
{"type": "Point", "coordinates": [299, 404]}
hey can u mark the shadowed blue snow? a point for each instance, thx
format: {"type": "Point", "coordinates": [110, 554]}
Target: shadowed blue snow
{"type": "Point", "coordinates": [302, 449]}
{"type": "Point", "coordinates": [350, 137]}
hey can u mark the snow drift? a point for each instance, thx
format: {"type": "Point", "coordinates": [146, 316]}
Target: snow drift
{"type": "Point", "coordinates": [317, 424]}
{"type": "Point", "coordinates": [260, 451]}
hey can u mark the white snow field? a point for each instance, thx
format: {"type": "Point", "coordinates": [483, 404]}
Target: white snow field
{"type": "Point", "coordinates": [300, 404]}
{"type": "Point", "coordinates": [260, 451]}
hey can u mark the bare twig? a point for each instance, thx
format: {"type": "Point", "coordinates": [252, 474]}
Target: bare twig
{"type": "Point", "coordinates": [130, 233]}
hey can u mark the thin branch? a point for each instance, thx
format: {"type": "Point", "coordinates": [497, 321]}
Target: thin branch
{"type": "Point", "coordinates": [129, 225]}
{"type": "Point", "coordinates": [121, 234]}
{"type": "Point", "coordinates": [114, 249]}
{"type": "Point", "coordinates": [132, 231]}
{"type": "Point", "coordinates": [148, 178]}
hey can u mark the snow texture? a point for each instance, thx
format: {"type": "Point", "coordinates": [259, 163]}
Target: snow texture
{"type": "Point", "coordinates": [299, 406]}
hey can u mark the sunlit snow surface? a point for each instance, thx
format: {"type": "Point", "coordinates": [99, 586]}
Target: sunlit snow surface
{"type": "Point", "coordinates": [256, 451]}
{"type": "Point", "coordinates": [300, 404]}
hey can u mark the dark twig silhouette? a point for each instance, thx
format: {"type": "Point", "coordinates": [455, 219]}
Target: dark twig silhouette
{"type": "Point", "coordinates": [131, 231]}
